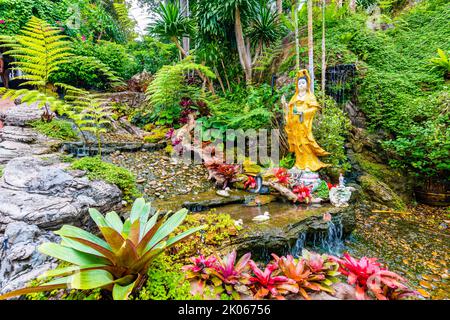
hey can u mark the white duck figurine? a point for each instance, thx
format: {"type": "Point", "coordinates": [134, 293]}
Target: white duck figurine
{"type": "Point", "coordinates": [238, 223]}
{"type": "Point", "coordinates": [262, 217]}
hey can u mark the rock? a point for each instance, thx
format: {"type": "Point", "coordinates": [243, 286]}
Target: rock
{"type": "Point", "coordinates": [19, 142]}
{"type": "Point", "coordinates": [43, 193]}
{"type": "Point", "coordinates": [21, 114]}
{"type": "Point", "coordinates": [281, 233]}
{"type": "Point", "coordinates": [380, 193]}
{"type": "Point", "coordinates": [340, 196]}
{"type": "Point", "coordinates": [21, 262]}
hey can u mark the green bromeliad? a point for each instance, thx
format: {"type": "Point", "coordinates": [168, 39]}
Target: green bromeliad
{"type": "Point", "coordinates": [119, 261]}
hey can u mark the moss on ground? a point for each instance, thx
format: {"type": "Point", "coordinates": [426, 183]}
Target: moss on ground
{"type": "Point", "coordinates": [58, 129]}
{"type": "Point", "coordinates": [98, 169]}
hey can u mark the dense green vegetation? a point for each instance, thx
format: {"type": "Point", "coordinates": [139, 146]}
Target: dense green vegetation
{"type": "Point", "coordinates": [98, 169]}
{"type": "Point", "coordinates": [59, 129]}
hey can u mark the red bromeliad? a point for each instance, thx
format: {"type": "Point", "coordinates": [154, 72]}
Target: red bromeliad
{"type": "Point", "coordinates": [250, 183]}
{"type": "Point", "coordinates": [265, 285]}
{"type": "Point", "coordinates": [199, 272]}
{"type": "Point", "coordinates": [369, 276]}
{"type": "Point", "coordinates": [282, 176]}
{"type": "Point", "coordinates": [229, 276]}
{"type": "Point", "coordinates": [303, 193]}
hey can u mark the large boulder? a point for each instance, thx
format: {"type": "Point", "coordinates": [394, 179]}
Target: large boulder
{"type": "Point", "coordinates": [380, 194]}
{"type": "Point", "coordinates": [20, 142]}
{"type": "Point", "coordinates": [44, 193]}
{"type": "Point", "coordinates": [21, 114]}
{"type": "Point", "coordinates": [20, 261]}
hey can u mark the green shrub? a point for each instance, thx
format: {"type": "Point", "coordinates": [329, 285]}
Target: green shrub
{"type": "Point", "coordinates": [98, 169]}
{"type": "Point", "coordinates": [165, 281]}
{"type": "Point", "coordinates": [330, 129]}
{"type": "Point", "coordinates": [58, 129]}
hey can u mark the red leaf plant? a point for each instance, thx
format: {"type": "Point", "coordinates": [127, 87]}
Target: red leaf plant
{"type": "Point", "coordinates": [371, 279]}
{"type": "Point", "coordinates": [264, 284]}
{"type": "Point", "coordinates": [228, 172]}
{"type": "Point", "coordinates": [282, 176]}
{"type": "Point", "coordinates": [303, 193]}
{"type": "Point", "coordinates": [199, 272]}
{"type": "Point", "coordinates": [250, 183]}
{"type": "Point", "coordinates": [230, 276]}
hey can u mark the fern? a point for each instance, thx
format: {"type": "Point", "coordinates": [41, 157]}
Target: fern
{"type": "Point", "coordinates": [39, 50]}
{"type": "Point", "coordinates": [169, 86]}
{"type": "Point", "coordinates": [126, 23]}
{"type": "Point", "coordinates": [90, 113]}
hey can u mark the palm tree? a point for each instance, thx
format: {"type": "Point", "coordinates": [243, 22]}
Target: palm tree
{"type": "Point", "coordinates": [264, 29]}
{"type": "Point", "coordinates": [324, 57]}
{"type": "Point", "coordinates": [310, 44]}
{"type": "Point", "coordinates": [172, 24]}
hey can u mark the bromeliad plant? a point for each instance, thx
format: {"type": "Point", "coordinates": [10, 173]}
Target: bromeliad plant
{"type": "Point", "coordinates": [371, 279]}
{"type": "Point", "coordinates": [264, 284]}
{"type": "Point", "coordinates": [230, 276]}
{"type": "Point", "coordinates": [119, 261]}
{"type": "Point", "coordinates": [324, 270]}
{"type": "Point", "coordinates": [224, 276]}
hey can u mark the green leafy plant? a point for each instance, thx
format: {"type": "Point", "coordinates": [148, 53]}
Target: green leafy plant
{"type": "Point", "coordinates": [39, 51]}
{"type": "Point", "coordinates": [441, 63]}
{"type": "Point", "coordinates": [119, 261]}
{"type": "Point", "coordinates": [165, 281]}
{"type": "Point", "coordinates": [90, 113]}
{"type": "Point", "coordinates": [98, 169]}
{"type": "Point", "coordinates": [59, 129]}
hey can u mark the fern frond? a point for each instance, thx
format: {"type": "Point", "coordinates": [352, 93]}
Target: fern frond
{"type": "Point", "coordinates": [39, 49]}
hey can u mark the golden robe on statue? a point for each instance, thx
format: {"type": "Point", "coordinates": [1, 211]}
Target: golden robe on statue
{"type": "Point", "coordinates": [299, 120]}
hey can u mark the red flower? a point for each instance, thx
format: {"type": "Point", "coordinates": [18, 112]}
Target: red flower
{"type": "Point", "coordinates": [303, 193]}
{"type": "Point", "coordinates": [282, 175]}
{"type": "Point", "coordinates": [250, 183]}
{"type": "Point", "coordinates": [200, 264]}
{"type": "Point", "coordinates": [2, 21]}
{"type": "Point", "coordinates": [331, 186]}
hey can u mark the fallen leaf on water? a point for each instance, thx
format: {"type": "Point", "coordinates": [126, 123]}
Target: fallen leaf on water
{"type": "Point", "coordinates": [423, 293]}
{"type": "Point", "coordinates": [426, 284]}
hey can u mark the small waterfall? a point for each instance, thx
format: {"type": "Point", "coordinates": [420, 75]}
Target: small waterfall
{"type": "Point", "coordinates": [296, 250]}
{"type": "Point", "coordinates": [330, 241]}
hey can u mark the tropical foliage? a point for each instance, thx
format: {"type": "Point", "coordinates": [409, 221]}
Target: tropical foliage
{"type": "Point", "coordinates": [120, 260]}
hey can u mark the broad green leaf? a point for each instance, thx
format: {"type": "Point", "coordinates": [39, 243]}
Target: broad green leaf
{"type": "Point", "coordinates": [70, 255]}
{"type": "Point", "coordinates": [68, 271]}
{"type": "Point", "coordinates": [91, 279]}
{"type": "Point", "coordinates": [137, 209]}
{"type": "Point", "coordinates": [98, 218]}
{"type": "Point", "coordinates": [171, 224]}
{"type": "Point", "coordinates": [88, 247]}
{"type": "Point", "coordinates": [183, 235]}
{"type": "Point", "coordinates": [45, 287]}
{"type": "Point", "coordinates": [74, 232]}
{"type": "Point", "coordinates": [148, 236]}
{"type": "Point", "coordinates": [126, 228]}
{"type": "Point", "coordinates": [114, 221]}
{"type": "Point", "coordinates": [122, 292]}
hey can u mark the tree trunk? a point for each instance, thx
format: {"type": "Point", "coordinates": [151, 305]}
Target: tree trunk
{"type": "Point", "coordinates": [310, 44]}
{"type": "Point", "coordinates": [279, 6]}
{"type": "Point", "coordinates": [324, 56]}
{"type": "Point", "coordinates": [242, 49]}
{"type": "Point", "coordinates": [199, 73]}
{"type": "Point", "coordinates": [184, 7]}
{"type": "Point", "coordinates": [297, 45]}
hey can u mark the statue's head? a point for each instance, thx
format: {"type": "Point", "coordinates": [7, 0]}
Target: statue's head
{"type": "Point", "coordinates": [302, 81]}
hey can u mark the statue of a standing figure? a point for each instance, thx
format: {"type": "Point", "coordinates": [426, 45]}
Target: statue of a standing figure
{"type": "Point", "coordinates": [299, 120]}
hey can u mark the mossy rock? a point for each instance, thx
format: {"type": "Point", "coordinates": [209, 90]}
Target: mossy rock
{"type": "Point", "coordinates": [379, 192]}
{"type": "Point", "coordinates": [394, 179]}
